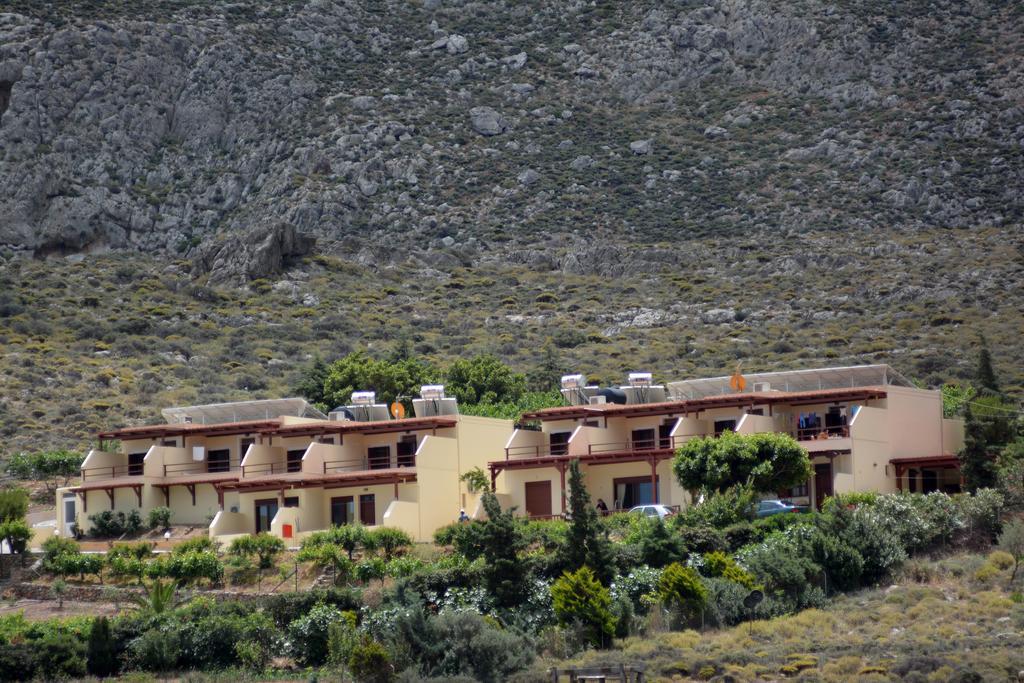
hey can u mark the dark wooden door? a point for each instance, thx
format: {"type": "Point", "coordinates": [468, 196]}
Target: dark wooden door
{"type": "Point", "coordinates": [218, 461]}
{"type": "Point", "coordinates": [295, 460]}
{"type": "Point", "coordinates": [343, 510]}
{"type": "Point", "coordinates": [538, 499]}
{"type": "Point", "coordinates": [378, 457]}
{"type": "Point", "coordinates": [407, 451]}
{"type": "Point", "coordinates": [665, 434]}
{"type": "Point", "coordinates": [136, 463]}
{"type": "Point", "coordinates": [367, 509]}
{"type": "Point", "coordinates": [560, 443]}
{"type": "Point", "coordinates": [643, 439]}
{"type": "Point", "coordinates": [265, 511]}
{"type": "Point", "coordinates": [822, 483]}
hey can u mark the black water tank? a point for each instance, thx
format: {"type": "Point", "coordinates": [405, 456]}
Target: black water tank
{"type": "Point", "coordinates": [612, 395]}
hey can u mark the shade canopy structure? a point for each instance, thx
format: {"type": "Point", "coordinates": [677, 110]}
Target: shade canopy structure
{"type": "Point", "coordinates": [697, 405]}
{"type": "Point", "coordinates": [242, 411]}
{"type": "Point", "coordinates": [793, 381]}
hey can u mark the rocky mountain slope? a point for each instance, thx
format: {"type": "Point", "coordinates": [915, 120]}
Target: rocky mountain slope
{"type": "Point", "coordinates": [733, 163]}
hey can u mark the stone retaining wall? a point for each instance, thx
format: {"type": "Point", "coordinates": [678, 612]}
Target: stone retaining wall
{"type": "Point", "coordinates": [92, 593]}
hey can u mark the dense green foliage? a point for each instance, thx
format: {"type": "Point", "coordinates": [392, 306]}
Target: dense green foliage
{"type": "Point", "coordinates": [580, 599]}
{"type": "Point", "coordinates": [766, 461]}
{"type": "Point", "coordinates": [484, 607]}
{"type": "Point", "coordinates": [263, 547]}
{"type": "Point", "coordinates": [989, 428]}
{"type": "Point", "coordinates": [586, 544]}
{"type": "Point", "coordinates": [13, 504]}
{"type": "Point", "coordinates": [484, 379]}
{"type": "Point", "coordinates": [160, 518]}
{"type": "Point", "coordinates": [111, 524]}
{"type": "Point", "coordinates": [482, 384]}
{"type": "Point", "coordinates": [501, 540]}
{"type": "Point", "coordinates": [390, 541]}
{"type": "Point", "coordinates": [398, 379]}
{"type": "Point", "coordinates": [101, 657]}
{"type": "Point", "coordinates": [681, 589]}
{"type": "Point", "coordinates": [55, 468]}
{"type": "Point", "coordinates": [14, 530]}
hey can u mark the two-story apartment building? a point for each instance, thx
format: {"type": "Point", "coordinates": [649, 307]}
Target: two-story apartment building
{"type": "Point", "coordinates": [282, 467]}
{"type": "Point", "coordinates": [866, 429]}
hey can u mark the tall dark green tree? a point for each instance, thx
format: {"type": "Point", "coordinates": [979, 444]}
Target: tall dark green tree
{"type": "Point", "coordinates": [548, 373]}
{"type": "Point", "coordinates": [988, 429]}
{"type": "Point", "coordinates": [985, 376]}
{"type": "Point", "coordinates": [587, 543]}
{"type": "Point", "coordinates": [100, 656]}
{"type": "Point", "coordinates": [505, 574]}
{"type": "Point", "coordinates": [311, 383]}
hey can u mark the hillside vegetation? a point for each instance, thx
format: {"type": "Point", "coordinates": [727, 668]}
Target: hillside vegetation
{"type": "Point", "coordinates": [199, 197]}
{"type": "Point", "coordinates": [121, 339]}
{"type": "Point", "coordinates": [936, 623]}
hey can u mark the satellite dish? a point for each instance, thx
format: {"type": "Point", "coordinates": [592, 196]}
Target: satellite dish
{"type": "Point", "coordinates": [753, 599]}
{"type": "Point", "coordinates": [397, 410]}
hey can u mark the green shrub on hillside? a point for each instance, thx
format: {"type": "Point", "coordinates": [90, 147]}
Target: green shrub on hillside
{"type": "Point", "coordinates": [160, 518]}
{"type": "Point", "coordinates": [720, 565]}
{"type": "Point", "coordinates": [111, 524]}
{"type": "Point", "coordinates": [579, 598]}
{"type": "Point", "coordinates": [682, 591]}
{"type": "Point", "coordinates": [308, 634]}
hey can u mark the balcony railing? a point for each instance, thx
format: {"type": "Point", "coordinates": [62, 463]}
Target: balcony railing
{"type": "Point", "coordinates": [822, 433]}
{"type": "Point", "coordinates": [639, 446]}
{"type": "Point", "coordinates": [375, 463]}
{"type": "Point", "coordinates": [111, 472]}
{"type": "Point", "coordinates": [264, 468]}
{"type": "Point", "coordinates": [184, 469]}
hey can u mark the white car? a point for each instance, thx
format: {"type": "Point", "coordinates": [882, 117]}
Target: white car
{"type": "Point", "coordinates": [661, 511]}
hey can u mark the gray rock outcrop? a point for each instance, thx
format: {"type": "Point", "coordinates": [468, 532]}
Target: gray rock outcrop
{"type": "Point", "coordinates": [488, 121]}
{"type": "Point", "coordinates": [261, 253]}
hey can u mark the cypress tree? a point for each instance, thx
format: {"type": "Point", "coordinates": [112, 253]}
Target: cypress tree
{"type": "Point", "coordinates": [501, 538]}
{"type": "Point", "coordinates": [102, 661]}
{"type": "Point", "coordinates": [587, 543]}
{"type": "Point", "coordinates": [988, 429]}
{"type": "Point", "coordinates": [985, 375]}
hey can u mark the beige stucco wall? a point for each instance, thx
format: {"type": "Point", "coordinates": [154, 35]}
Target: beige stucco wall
{"type": "Point", "coordinates": [512, 485]}
{"type": "Point", "coordinates": [406, 516]}
{"type": "Point", "coordinates": [755, 424]}
{"type": "Point", "coordinates": [691, 427]}
{"type": "Point", "coordinates": [262, 459]}
{"type": "Point", "coordinates": [97, 460]}
{"type": "Point", "coordinates": [291, 516]}
{"type": "Point", "coordinates": [184, 512]}
{"type": "Point", "coordinates": [866, 468]}
{"type": "Point", "coordinates": [320, 453]}
{"type": "Point", "coordinates": [229, 524]}
{"type": "Point", "coordinates": [437, 479]}
{"type": "Point", "coordinates": [952, 436]}
{"type": "Point", "coordinates": [915, 422]}
{"type": "Point", "coordinates": [523, 443]}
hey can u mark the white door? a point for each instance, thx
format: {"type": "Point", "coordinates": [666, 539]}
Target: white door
{"type": "Point", "coordinates": [69, 515]}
